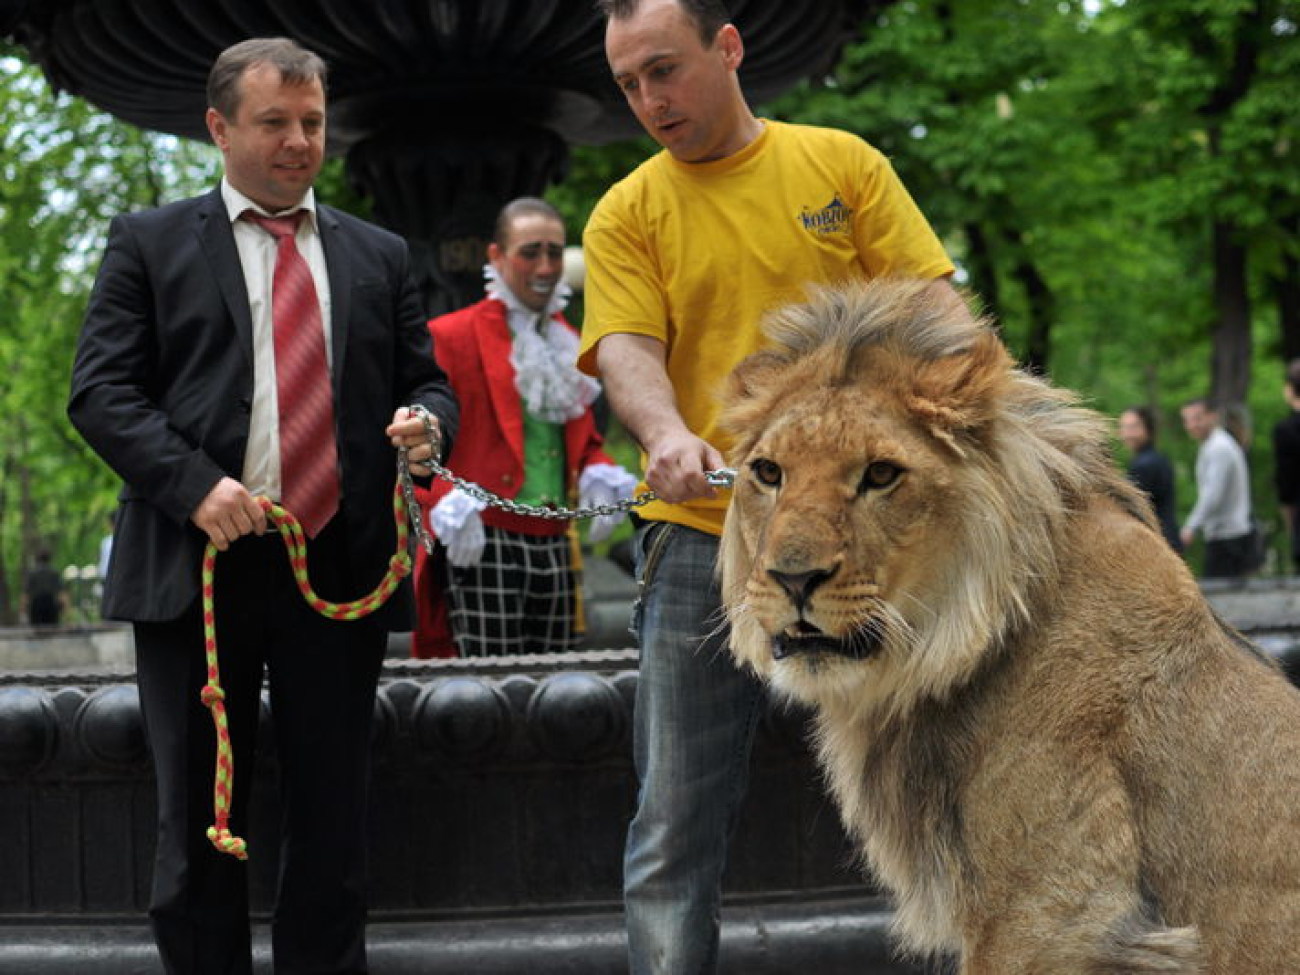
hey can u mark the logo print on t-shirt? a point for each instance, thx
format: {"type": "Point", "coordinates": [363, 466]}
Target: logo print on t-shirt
{"type": "Point", "coordinates": [833, 218]}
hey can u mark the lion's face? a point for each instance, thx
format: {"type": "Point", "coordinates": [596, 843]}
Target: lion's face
{"type": "Point", "coordinates": [843, 506]}
{"type": "Point", "coordinates": [868, 551]}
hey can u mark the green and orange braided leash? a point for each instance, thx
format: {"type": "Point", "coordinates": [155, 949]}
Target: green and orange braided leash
{"type": "Point", "coordinates": [213, 696]}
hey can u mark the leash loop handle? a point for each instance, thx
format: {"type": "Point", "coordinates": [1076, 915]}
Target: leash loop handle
{"type": "Point", "coordinates": [214, 696]}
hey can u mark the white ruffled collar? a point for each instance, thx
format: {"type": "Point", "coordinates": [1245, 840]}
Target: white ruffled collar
{"type": "Point", "coordinates": [544, 358]}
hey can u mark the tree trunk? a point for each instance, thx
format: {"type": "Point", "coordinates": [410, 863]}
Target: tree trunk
{"type": "Point", "coordinates": [1230, 370]}
{"type": "Point", "coordinates": [1042, 312]}
{"type": "Point", "coordinates": [8, 613]}
{"type": "Point", "coordinates": [979, 265]}
{"type": "Point", "coordinates": [1286, 289]}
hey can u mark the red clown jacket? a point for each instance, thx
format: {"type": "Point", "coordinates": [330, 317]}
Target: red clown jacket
{"type": "Point", "coordinates": [473, 347]}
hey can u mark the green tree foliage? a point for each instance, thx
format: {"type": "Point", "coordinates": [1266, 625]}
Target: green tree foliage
{"type": "Point", "coordinates": [65, 169]}
{"type": "Point", "coordinates": [1117, 180]}
{"type": "Point", "coordinates": [1222, 117]}
{"type": "Point", "coordinates": [989, 111]}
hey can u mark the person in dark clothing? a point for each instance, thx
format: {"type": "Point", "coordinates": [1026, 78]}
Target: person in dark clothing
{"type": "Point", "coordinates": [1286, 459]}
{"type": "Point", "coordinates": [254, 343]}
{"type": "Point", "coordinates": [43, 595]}
{"type": "Point", "coordinates": [1150, 470]}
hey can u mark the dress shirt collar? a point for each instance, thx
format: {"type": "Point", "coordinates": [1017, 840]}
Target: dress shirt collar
{"type": "Point", "coordinates": [236, 203]}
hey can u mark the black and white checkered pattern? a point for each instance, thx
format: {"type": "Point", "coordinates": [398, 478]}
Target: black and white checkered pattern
{"type": "Point", "coordinates": [518, 599]}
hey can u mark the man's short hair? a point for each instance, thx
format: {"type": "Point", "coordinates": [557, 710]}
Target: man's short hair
{"type": "Point", "coordinates": [296, 65]}
{"type": "Point", "coordinates": [524, 206]}
{"type": "Point", "coordinates": [708, 16]}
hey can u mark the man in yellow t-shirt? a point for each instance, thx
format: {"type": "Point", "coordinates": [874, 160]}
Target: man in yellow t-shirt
{"type": "Point", "coordinates": [684, 256]}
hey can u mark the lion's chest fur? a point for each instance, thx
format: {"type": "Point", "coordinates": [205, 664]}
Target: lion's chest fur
{"type": "Point", "coordinates": [901, 785]}
{"type": "Point", "coordinates": [951, 801]}
{"type": "Point", "coordinates": [898, 787]}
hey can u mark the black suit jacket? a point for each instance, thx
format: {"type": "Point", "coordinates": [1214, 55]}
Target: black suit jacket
{"type": "Point", "coordinates": [162, 388]}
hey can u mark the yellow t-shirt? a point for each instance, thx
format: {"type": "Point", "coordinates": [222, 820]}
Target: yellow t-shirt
{"type": "Point", "coordinates": [694, 254]}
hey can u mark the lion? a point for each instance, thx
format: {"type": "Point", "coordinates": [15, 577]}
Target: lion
{"type": "Point", "coordinates": [1051, 753]}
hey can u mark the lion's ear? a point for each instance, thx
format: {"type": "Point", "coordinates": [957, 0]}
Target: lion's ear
{"type": "Point", "coordinates": [747, 398]}
{"type": "Point", "coordinates": [959, 394]}
{"type": "Point", "coordinates": [754, 375]}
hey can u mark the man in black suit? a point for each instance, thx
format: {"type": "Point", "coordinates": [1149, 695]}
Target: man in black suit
{"type": "Point", "coordinates": [175, 386]}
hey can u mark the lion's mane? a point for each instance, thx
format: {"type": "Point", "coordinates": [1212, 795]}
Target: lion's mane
{"type": "Point", "coordinates": [1048, 748]}
{"type": "Point", "coordinates": [1031, 456]}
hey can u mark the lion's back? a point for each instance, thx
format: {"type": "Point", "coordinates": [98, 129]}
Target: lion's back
{"type": "Point", "coordinates": [1199, 728]}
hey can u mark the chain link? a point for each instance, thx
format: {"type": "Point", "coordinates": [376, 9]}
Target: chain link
{"type": "Point", "coordinates": [724, 478]}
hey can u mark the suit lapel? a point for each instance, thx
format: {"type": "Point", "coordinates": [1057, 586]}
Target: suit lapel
{"type": "Point", "coordinates": [339, 268]}
{"type": "Point", "coordinates": [494, 348]}
{"type": "Point", "coordinates": [218, 242]}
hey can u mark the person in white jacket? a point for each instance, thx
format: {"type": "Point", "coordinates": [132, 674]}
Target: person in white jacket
{"type": "Point", "coordinates": [1222, 512]}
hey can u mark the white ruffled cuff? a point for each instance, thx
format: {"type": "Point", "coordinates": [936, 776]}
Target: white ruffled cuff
{"type": "Point", "coordinates": [452, 510]}
{"type": "Point", "coordinates": [603, 484]}
{"type": "Point", "coordinates": [455, 520]}
{"type": "Point", "coordinates": [614, 479]}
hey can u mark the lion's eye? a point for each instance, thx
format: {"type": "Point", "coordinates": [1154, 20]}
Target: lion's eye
{"type": "Point", "coordinates": [766, 472]}
{"type": "Point", "coordinates": [878, 475]}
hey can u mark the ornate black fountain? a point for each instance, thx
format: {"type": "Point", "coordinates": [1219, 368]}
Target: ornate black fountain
{"type": "Point", "coordinates": [502, 790]}
{"type": "Point", "coordinates": [501, 796]}
{"type": "Point", "coordinates": [445, 109]}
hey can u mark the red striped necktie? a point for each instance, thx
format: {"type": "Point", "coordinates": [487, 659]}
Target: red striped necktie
{"type": "Point", "coordinates": [309, 480]}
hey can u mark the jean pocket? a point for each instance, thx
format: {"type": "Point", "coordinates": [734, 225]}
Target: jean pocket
{"type": "Point", "coordinates": [650, 544]}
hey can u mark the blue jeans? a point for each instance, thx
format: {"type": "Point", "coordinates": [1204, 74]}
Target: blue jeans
{"type": "Point", "coordinates": [693, 730]}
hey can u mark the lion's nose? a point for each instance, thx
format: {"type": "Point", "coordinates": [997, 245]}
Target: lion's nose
{"type": "Point", "coordinates": [800, 585]}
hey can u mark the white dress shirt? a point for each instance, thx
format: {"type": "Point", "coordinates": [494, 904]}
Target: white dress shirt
{"type": "Point", "coordinates": [257, 253]}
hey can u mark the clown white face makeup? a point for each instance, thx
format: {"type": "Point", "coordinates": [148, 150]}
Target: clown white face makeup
{"type": "Point", "coordinates": [531, 261]}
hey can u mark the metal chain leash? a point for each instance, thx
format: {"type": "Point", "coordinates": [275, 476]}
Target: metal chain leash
{"type": "Point", "coordinates": [407, 486]}
{"type": "Point", "coordinates": [213, 695]}
{"type": "Point", "coordinates": [723, 477]}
